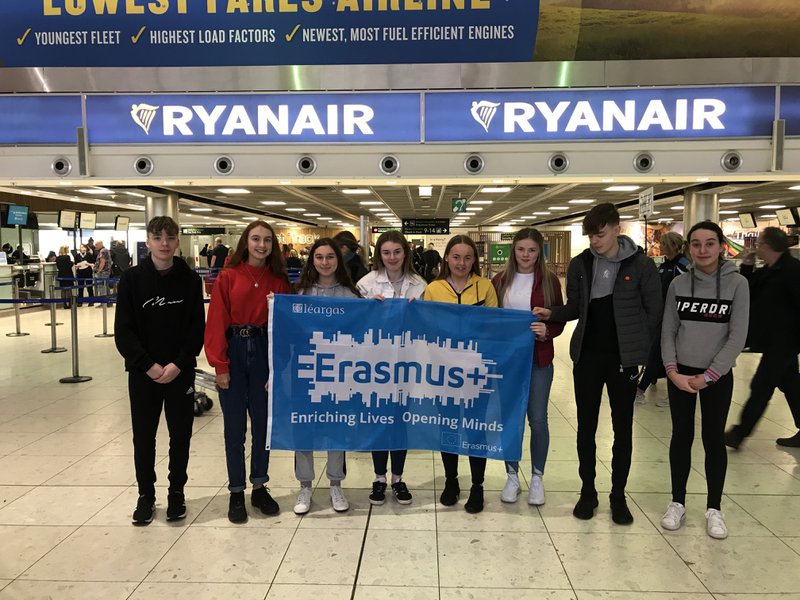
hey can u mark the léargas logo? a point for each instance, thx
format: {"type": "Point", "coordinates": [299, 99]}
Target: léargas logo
{"type": "Point", "coordinates": [143, 115]}
{"type": "Point", "coordinates": [483, 112]}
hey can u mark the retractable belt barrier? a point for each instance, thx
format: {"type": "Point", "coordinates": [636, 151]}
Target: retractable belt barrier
{"type": "Point", "coordinates": [54, 347]}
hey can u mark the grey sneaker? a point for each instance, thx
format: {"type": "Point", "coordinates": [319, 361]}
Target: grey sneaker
{"type": "Point", "coordinates": [338, 501]}
{"type": "Point", "coordinates": [303, 504]}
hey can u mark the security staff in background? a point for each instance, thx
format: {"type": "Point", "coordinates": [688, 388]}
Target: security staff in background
{"type": "Point", "coordinates": [774, 331]}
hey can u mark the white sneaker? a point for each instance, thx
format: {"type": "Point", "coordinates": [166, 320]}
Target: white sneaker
{"type": "Point", "coordinates": [536, 493]}
{"type": "Point", "coordinates": [511, 488]}
{"type": "Point", "coordinates": [640, 399]}
{"type": "Point", "coordinates": [303, 504]}
{"type": "Point", "coordinates": [338, 501]}
{"type": "Point", "coordinates": [715, 524]}
{"type": "Point", "coordinates": [675, 516]}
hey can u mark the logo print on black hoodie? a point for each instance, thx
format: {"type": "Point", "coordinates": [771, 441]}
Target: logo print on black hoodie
{"type": "Point", "coordinates": [702, 309]}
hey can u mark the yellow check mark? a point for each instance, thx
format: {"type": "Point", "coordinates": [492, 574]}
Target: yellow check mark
{"type": "Point", "coordinates": [21, 40]}
{"type": "Point", "coordinates": [289, 36]}
{"type": "Point", "coordinates": [135, 38]}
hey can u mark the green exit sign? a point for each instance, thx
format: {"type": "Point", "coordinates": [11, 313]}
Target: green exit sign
{"type": "Point", "coordinates": [459, 205]}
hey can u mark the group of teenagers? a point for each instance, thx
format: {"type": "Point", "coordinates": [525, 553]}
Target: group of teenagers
{"type": "Point", "coordinates": [693, 318]}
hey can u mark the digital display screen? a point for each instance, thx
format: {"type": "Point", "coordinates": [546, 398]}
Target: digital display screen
{"type": "Point", "coordinates": [66, 219]}
{"type": "Point", "coordinates": [17, 215]}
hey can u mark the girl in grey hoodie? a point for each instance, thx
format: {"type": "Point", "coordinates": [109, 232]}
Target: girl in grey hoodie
{"type": "Point", "coordinates": [705, 327]}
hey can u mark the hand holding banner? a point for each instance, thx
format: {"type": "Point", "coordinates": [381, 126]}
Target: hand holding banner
{"type": "Point", "coordinates": [349, 374]}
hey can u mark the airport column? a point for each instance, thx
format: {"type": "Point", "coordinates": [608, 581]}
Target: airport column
{"type": "Point", "coordinates": [162, 206]}
{"type": "Point", "coordinates": [365, 236]}
{"type": "Point", "coordinates": [699, 206]}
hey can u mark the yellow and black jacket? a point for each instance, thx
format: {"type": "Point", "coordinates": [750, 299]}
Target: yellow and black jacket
{"type": "Point", "coordinates": [478, 292]}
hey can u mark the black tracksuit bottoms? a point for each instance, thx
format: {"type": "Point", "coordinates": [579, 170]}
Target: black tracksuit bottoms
{"type": "Point", "coordinates": [777, 369]}
{"type": "Point", "coordinates": [590, 374]}
{"type": "Point", "coordinates": [715, 402]}
{"type": "Point", "coordinates": [147, 399]}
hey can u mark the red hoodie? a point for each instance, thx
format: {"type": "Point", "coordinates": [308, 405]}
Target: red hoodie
{"type": "Point", "coordinates": [236, 301]}
{"type": "Point", "coordinates": [543, 351]}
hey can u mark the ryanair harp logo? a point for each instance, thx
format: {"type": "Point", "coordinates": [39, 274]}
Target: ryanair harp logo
{"type": "Point", "coordinates": [483, 112]}
{"type": "Point", "coordinates": [143, 115]}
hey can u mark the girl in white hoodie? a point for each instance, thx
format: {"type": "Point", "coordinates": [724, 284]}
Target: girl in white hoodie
{"type": "Point", "coordinates": [706, 315]}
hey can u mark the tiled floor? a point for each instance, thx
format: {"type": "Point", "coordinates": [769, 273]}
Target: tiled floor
{"type": "Point", "coordinates": [66, 494]}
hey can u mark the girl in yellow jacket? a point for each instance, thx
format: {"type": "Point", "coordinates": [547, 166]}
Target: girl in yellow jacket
{"type": "Point", "coordinates": [460, 282]}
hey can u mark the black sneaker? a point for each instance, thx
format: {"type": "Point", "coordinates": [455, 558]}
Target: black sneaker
{"type": "Point", "coordinates": [401, 493]}
{"type": "Point", "coordinates": [619, 511]}
{"type": "Point", "coordinates": [733, 439]}
{"type": "Point", "coordinates": [450, 492]}
{"type": "Point", "coordinates": [176, 506]}
{"type": "Point", "coordinates": [145, 507]}
{"type": "Point", "coordinates": [378, 495]}
{"type": "Point", "coordinates": [475, 501]}
{"type": "Point", "coordinates": [260, 498]}
{"type": "Point", "coordinates": [584, 509]}
{"type": "Point", "coordinates": [789, 442]}
{"type": "Point", "coordinates": [237, 513]}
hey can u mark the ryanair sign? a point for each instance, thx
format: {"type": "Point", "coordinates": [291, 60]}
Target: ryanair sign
{"type": "Point", "coordinates": [280, 118]}
{"type": "Point", "coordinates": [713, 112]}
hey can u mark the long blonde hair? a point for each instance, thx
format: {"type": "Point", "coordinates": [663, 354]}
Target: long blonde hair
{"type": "Point", "coordinates": [540, 268]}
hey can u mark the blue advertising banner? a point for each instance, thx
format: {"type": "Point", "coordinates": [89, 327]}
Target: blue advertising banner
{"type": "Point", "coordinates": [157, 33]}
{"type": "Point", "coordinates": [39, 119]}
{"type": "Point", "coordinates": [354, 374]}
{"type": "Point", "coordinates": [262, 118]}
{"type": "Point", "coordinates": [790, 109]}
{"type": "Point", "coordinates": [655, 113]}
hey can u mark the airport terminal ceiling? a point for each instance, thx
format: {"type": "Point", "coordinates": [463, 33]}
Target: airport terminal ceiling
{"type": "Point", "coordinates": [500, 204]}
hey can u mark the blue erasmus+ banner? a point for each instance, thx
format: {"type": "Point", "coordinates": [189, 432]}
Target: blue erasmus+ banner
{"type": "Point", "coordinates": [354, 374]}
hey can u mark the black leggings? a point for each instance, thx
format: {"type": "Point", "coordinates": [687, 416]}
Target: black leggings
{"type": "Point", "coordinates": [715, 401]}
{"type": "Point", "coordinates": [477, 467]}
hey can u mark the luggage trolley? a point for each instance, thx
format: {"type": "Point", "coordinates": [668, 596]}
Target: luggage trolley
{"type": "Point", "coordinates": [202, 402]}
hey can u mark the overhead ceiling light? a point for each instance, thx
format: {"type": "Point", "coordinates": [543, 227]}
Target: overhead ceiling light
{"type": "Point", "coordinates": [558, 208]}
{"type": "Point", "coordinates": [95, 190]}
{"type": "Point", "coordinates": [729, 200]}
{"type": "Point", "coordinates": [795, 187]}
{"type": "Point", "coordinates": [772, 206]}
{"type": "Point", "coordinates": [233, 191]}
{"type": "Point", "coordinates": [425, 191]}
{"type": "Point", "coordinates": [495, 190]}
{"type": "Point", "coordinates": [665, 220]}
{"type": "Point", "coordinates": [474, 202]}
{"type": "Point", "coordinates": [729, 212]}
{"type": "Point", "coordinates": [370, 203]}
{"type": "Point", "coordinates": [201, 209]}
{"type": "Point", "coordinates": [623, 188]}
{"type": "Point", "coordinates": [134, 194]}
{"type": "Point", "coordinates": [273, 203]}
{"type": "Point", "coordinates": [379, 210]}
{"type": "Point", "coordinates": [311, 214]}
{"type": "Point", "coordinates": [541, 212]}
{"type": "Point", "coordinates": [581, 201]}
{"type": "Point", "coordinates": [475, 207]}
{"type": "Point", "coordinates": [325, 219]}
{"type": "Point", "coordinates": [168, 182]}
{"type": "Point", "coordinates": [284, 183]}
{"type": "Point", "coordinates": [676, 207]}
{"type": "Point", "coordinates": [701, 179]}
{"type": "Point", "coordinates": [607, 180]}
{"type": "Point", "coordinates": [626, 216]}
{"type": "Point", "coordinates": [295, 210]}
{"type": "Point", "coordinates": [766, 216]}
{"type": "Point", "coordinates": [357, 191]}
{"type": "Point", "coordinates": [248, 218]}
{"type": "Point", "coordinates": [64, 183]}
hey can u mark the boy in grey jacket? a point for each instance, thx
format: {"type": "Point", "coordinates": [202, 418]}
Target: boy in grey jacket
{"type": "Point", "coordinates": [614, 291]}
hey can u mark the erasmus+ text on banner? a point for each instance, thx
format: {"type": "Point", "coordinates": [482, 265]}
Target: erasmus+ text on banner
{"type": "Point", "coordinates": [197, 33]}
{"type": "Point", "coordinates": [653, 113]}
{"type": "Point", "coordinates": [357, 374]}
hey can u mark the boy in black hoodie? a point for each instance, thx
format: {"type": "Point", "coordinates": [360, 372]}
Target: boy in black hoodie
{"type": "Point", "coordinates": [158, 330]}
{"type": "Point", "coordinates": [614, 291]}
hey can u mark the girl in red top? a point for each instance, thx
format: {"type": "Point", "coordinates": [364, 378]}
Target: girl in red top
{"type": "Point", "coordinates": [525, 283]}
{"type": "Point", "coordinates": [236, 346]}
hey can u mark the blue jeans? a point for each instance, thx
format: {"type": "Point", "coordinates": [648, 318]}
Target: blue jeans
{"type": "Point", "coordinates": [538, 397]}
{"type": "Point", "coordinates": [246, 395]}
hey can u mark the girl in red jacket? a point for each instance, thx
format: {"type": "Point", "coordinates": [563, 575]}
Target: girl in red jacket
{"type": "Point", "coordinates": [525, 283]}
{"type": "Point", "coordinates": [236, 346]}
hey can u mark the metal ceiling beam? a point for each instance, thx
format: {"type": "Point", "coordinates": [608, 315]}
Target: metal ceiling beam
{"type": "Point", "coordinates": [548, 193]}
{"type": "Point", "coordinates": [297, 193]}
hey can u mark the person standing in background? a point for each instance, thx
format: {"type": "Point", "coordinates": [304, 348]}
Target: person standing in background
{"type": "Point", "coordinates": [102, 267]}
{"type": "Point", "coordinates": [349, 247]}
{"type": "Point", "coordinates": [64, 273]}
{"type": "Point", "coordinates": [774, 331]}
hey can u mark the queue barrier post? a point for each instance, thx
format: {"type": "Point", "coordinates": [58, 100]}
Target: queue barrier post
{"type": "Point", "coordinates": [73, 322]}
{"type": "Point", "coordinates": [15, 296]}
{"type": "Point", "coordinates": [105, 333]}
{"type": "Point", "coordinates": [52, 309]}
{"type": "Point", "coordinates": [54, 347]}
